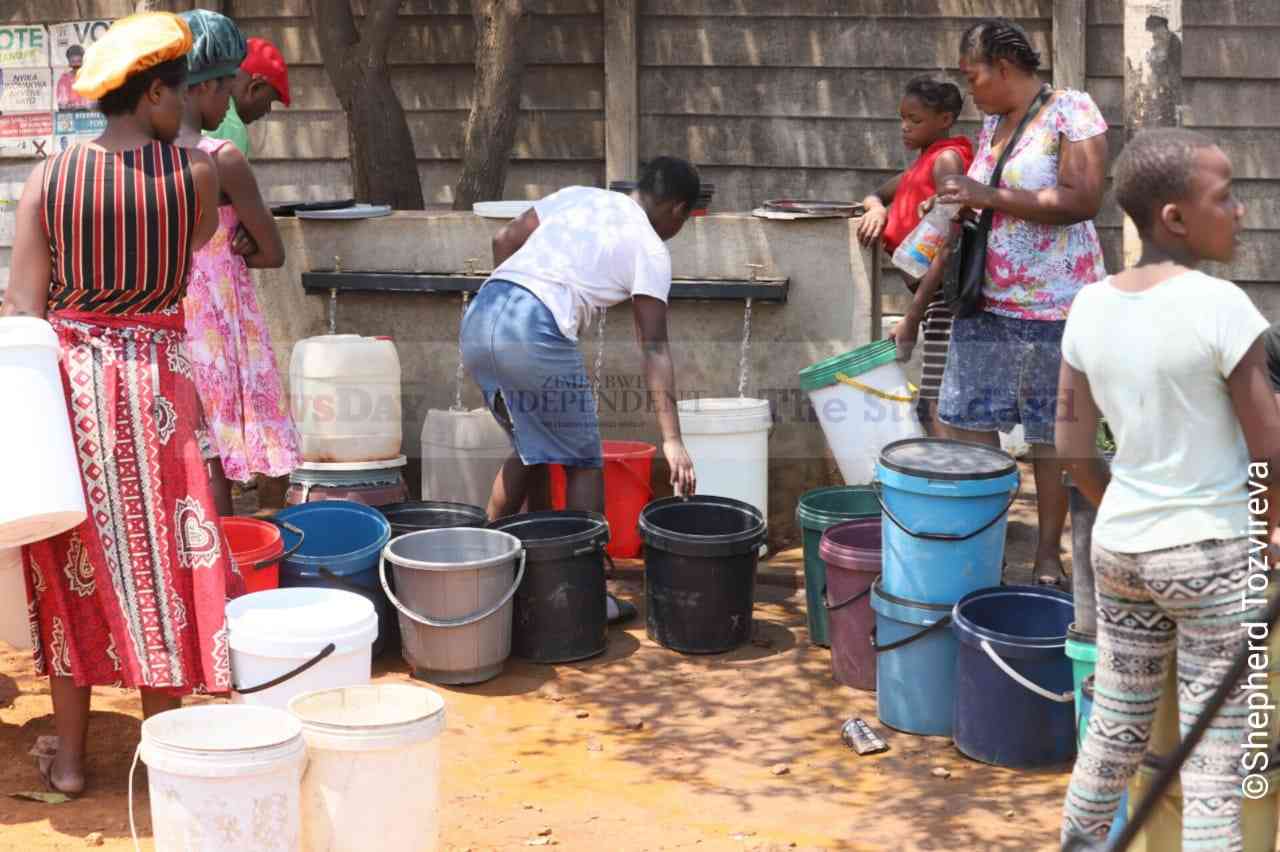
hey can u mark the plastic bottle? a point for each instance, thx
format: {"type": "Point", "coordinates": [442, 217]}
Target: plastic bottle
{"type": "Point", "coordinates": [917, 251]}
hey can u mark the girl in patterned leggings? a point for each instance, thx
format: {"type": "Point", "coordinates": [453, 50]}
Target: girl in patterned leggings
{"type": "Point", "coordinates": [1174, 360]}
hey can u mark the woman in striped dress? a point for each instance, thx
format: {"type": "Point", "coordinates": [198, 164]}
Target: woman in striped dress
{"type": "Point", "coordinates": [134, 596]}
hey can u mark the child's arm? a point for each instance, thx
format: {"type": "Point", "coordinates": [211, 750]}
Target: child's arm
{"type": "Point", "coordinates": [239, 185]}
{"type": "Point", "coordinates": [873, 220]}
{"type": "Point", "coordinates": [1076, 434]}
{"type": "Point", "coordinates": [1255, 405]}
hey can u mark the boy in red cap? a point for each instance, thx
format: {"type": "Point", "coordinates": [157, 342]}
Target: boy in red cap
{"type": "Point", "coordinates": [263, 80]}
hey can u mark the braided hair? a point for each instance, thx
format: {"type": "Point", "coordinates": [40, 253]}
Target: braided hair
{"type": "Point", "coordinates": [938, 95]}
{"type": "Point", "coordinates": [999, 38]}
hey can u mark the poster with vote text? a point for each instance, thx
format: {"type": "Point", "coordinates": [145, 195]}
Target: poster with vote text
{"type": "Point", "coordinates": [24, 47]}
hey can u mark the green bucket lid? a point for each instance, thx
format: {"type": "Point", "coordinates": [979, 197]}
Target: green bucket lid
{"type": "Point", "coordinates": [864, 359]}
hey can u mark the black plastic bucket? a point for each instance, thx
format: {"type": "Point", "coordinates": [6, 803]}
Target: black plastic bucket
{"type": "Point", "coordinates": [560, 606]}
{"type": "Point", "coordinates": [418, 515]}
{"type": "Point", "coordinates": [700, 571]}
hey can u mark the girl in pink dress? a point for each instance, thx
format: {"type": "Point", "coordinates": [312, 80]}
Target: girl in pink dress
{"type": "Point", "coordinates": [245, 407]}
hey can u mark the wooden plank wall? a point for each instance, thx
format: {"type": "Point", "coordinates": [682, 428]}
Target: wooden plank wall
{"type": "Point", "coordinates": [771, 98]}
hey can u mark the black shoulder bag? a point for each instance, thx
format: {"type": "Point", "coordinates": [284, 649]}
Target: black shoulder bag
{"type": "Point", "coordinates": [967, 271]}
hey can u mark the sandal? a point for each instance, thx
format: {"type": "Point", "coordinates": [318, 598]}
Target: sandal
{"type": "Point", "coordinates": [619, 611]}
{"type": "Point", "coordinates": [45, 751]}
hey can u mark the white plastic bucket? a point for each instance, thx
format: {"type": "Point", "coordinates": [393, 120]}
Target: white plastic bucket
{"type": "Point", "coordinates": [728, 440]}
{"type": "Point", "coordinates": [288, 641]}
{"type": "Point", "coordinates": [15, 622]}
{"type": "Point", "coordinates": [373, 768]}
{"type": "Point", "coordinates": [43, 494]}
{"type": "Point", "coordinates": [224, 777]}
{"type": "Point", "coordinates": [860, 419]}
{"type": "Point", "coordinates": [462, 452]}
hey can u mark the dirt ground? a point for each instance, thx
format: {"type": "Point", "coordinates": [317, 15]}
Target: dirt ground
{"type": "Point", "coordinates": [639, 749]}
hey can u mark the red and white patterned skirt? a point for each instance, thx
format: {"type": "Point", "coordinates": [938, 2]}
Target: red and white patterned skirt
{"type": "Point", "coordinates": [136, 595]}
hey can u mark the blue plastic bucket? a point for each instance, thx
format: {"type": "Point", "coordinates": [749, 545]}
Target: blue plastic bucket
{"type": "Point", "coordinates": [915, 664]}
{"type": "Point", "coordinates": [1086, 707]}
{"type": "Point", "coordinates": [946, 506]}
{"type": "Point", "coordinates": [1015, 703]}
{"type": "Point", "coordinates": [343, 540]}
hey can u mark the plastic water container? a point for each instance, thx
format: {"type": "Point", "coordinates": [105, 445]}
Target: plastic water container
{"type": "Point", "coordinates": [917, 250]}
{"type": "Point", "coordinates": [224, 778]}
{"type": "Point", "coordinates": [915, 664]}
{"type": "Point", "coordinates": [851, 553]}
{"type": "Point", "coordinates": [15, 625]}
{"type": "Point", "coordinates": [43, 494]}
{"type": "Point", "coordinates": [817, 510]}
{"type": "Point", "coordinates": [288, 641]}
{"type": "Point", "coordinates": [946, 506]}
{"type": "Point", "coordinates": [373, 768]}
{"type": "Point", "coordinates": [863, 402]}
{"type": "Point", "coordinates": [728, 440]}
{"type": "Point", "coordinates": [1014, 700]}
{"type": "Point", "coordinates": [462, 452]}
{"type": "Point", "coordinates": [344, 391]}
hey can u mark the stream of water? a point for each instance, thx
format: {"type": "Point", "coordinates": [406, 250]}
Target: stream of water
{"type": "Point", "coordinates": [746, 349]}
{"type": "Point", "coordinates": [458, 378]}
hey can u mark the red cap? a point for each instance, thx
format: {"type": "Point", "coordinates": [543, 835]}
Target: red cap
{"type": "Point", "coordinates": [265, 61]}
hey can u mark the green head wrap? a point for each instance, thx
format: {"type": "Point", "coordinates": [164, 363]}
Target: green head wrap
{"type": "Point", "coordinates": [217, 49]}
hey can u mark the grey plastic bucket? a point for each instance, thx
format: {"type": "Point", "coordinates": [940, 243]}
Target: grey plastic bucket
{"type": "Point", "coordinates": [453, 593]}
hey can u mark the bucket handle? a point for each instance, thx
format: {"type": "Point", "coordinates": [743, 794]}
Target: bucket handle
{"type": "Point", "coordinates": [876, 489]}
{"type": "Point", "coordinates": [284, 525]}
{"type": "Point", "coordinates": [448, 622]}
{"type": "Point", "coordinates": [833, 607]}
{"type": "Point", "coordinates": [612, 569]}
{"type": "Point", "coordinates": [289, 675]}
{"type": "Point", "coordinates": [893, 646]}
{"type": "Point", "coordinates": [876, 392]}
{"type": "Point", "coordinates": [1060, 697]}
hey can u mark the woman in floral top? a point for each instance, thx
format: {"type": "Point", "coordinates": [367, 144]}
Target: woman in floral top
{"type": "Point", "coordinates": [1002, 368]}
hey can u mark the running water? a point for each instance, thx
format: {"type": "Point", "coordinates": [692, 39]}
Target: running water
{"type": "Point", "coordinates": [746, 348]}
{"type": "Point", "coordinates": [595, 380]}
{"type": "Point", "coordinates": [458, 379]}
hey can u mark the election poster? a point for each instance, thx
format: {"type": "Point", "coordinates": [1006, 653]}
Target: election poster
{"type": "Point", "coordinates": [24, 46]}
{"type": "Point", "coordinates": [71, 128]}
{"type": "Point", "coordinates": [26, 90]}
{"type": "Point", "coordinates": [71, 39]}
{"type": "Point", "coordinates": [27, 134]}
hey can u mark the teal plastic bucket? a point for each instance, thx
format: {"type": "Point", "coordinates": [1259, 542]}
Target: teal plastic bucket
{"type": "Point", "coordinates": [1082, 650]}
{"type": "Point", "coordinates": [946, 507]}
{"type": "Point", "coordinates": [817, 510]}
{"type": "Point", "coordinates": [915, 664]}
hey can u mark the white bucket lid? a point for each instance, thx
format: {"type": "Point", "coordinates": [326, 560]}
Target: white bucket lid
{"type": "Point", "coordinates": [371, 716]}
{"type": "Point", "coordinates": [27, 333]}
{"type": "Point", "coordinates": [719, 415]}
{"type": "Point", "coordinates": [297, 623]}
{"type": "Point", "coordinates": [222, 740]}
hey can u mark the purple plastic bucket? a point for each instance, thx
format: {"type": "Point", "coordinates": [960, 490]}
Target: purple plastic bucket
{"type": "Point", "coordinates": [851, 551]}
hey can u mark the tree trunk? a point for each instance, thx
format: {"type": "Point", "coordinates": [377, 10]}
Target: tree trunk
{"type": "Point", "coordinates": [384, 167]}
{"type": "Point", "coordinates": [501, 30]}
{"type": "Point", "coordinates": [1152, 79]}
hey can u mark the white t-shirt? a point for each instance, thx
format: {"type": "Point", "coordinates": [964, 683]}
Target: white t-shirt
{"type": "Point", "coordinates": [1157, 364]}
{"type": "Point", "coordinates": [592, 249]}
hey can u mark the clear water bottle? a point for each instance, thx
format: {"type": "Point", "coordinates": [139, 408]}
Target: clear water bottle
{"type": "Point", "coordinates": [917, 251]}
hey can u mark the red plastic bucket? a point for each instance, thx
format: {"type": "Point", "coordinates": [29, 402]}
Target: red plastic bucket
{"type": "Point", "coordinates": [252, 544]}
{"type": "Point", "coordinates": [852, 554]}
{"type": "Point", "coordinates": [627, 466]}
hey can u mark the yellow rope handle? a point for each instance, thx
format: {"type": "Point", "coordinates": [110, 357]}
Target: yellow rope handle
{"type": "Point", "coordinates": [843, 379]}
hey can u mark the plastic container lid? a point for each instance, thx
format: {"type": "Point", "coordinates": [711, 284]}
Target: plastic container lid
{"type": "Point", "coordinates": [27, 332]}
{"type": "Point", "coordinates": [500, 209]}
{"type": "Point", "coordinates": [942, 458]}
{"type": "Point", "coordinates": [351, 467]}
{"type": "Point", "coordinates": [298, 622]}
{"type": "Point", "coordinates": [222, 741]}
{"type": "Point", "coordinates": [862, 360]}
{"type": "Point", "coordinates": [355, 211]}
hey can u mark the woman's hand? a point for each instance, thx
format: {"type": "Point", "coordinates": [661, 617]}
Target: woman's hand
{"type": "Point", "coordinates": [683, 479]}
{"type": "Point", "coordinates": [965, 191]}
{"type": "Point", "coordinates": [242, 243]}
{"type": "Point", "coordinates": [871, 226]}
{"type": "Point", "coordinates": [905, 334]}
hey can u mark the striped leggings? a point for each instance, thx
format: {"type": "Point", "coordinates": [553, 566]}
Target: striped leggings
{"type": "Point", "coordinates": [1192, 597]}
